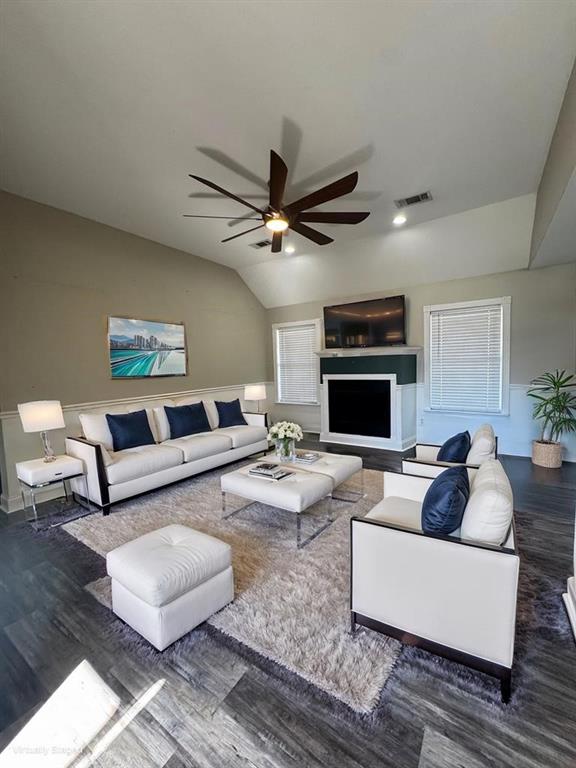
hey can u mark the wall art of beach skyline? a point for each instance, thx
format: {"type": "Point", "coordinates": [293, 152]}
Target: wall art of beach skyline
{"type": "Point", "coordinates": [146, 348]}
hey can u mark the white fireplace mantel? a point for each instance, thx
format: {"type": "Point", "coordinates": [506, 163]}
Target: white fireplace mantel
{"type": "Point", "coordinates": [369, 351]}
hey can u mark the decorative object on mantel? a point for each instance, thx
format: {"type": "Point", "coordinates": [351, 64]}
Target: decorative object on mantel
{"type": "Point", "coordinates": [285, 434]}
{"type": "Point", "coordinates": [146, 348]}
{"type": "Point", "coordinates": [255, 393]}
{"type": "Point", "coordinates": [278, 217]}
{"type": "Point", "coordinates": [555, 408]}
{"type": "Point", "coordinates": [42, 416]}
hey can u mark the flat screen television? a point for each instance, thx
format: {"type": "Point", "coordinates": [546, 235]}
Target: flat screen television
{"type": "Point", "coordinates": [374, 323]}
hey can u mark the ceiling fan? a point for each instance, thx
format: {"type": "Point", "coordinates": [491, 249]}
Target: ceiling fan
{"type": "Point", "coordinates": [278, 217]}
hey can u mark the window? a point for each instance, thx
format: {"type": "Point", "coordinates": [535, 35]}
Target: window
{"type": "Point", "coordinates": [296, 362]}
{"type": "Point", "coordinates": [467, 351]}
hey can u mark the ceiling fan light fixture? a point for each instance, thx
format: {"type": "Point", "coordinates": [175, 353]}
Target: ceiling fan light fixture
{"type": "Point", "coordinates": [277, 224]}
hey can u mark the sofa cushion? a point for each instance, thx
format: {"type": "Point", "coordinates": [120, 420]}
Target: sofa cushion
{"type": "Point", "coordinates": [230, 413]}
{"type": "Point", "coordinates": [133, 463]}
{"type": "Point", "coordinates": [398, 511]}
{"type": "Point", "coordinates": [200, 446]}
{"type": "Point", "coordinates": [129, 430]}
{"type": "Point", "coordinates": [187, 420]}
{"type": "Point", "coordinates": [162, 565]}
{"type": "Point", "coordinates": [488, 514]}
{"type": "Point", "coordinates": [482, 446]}
{"type": "Point", "coordinates": [244, 435]}
{"type": "Point", "coordinates": [209, 406]}
{"type": "Point", "coordinates": [445, 501]}
{"type": "Point", "coordinates": [455, 448]}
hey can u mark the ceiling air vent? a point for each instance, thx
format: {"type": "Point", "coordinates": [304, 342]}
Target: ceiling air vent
{"type": "Point", "coordinates": [262, 244]}
{"type": "Point", "coordinates": [414, 200]}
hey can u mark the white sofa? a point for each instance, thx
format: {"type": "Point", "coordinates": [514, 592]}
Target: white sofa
{"type": "Point", "coordinates": [452, 595]}
{"type": "Point", "coordinates": [483, 446]}
{"type": "Point", "coordinates": [114, 476]}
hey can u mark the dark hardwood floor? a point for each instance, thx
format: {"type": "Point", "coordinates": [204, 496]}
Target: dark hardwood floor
{"type": "Point", "coordinates": [220, 706]}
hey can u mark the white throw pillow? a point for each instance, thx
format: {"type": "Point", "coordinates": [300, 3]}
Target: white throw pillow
{"type": "Point", "coordinates": [162, 423]}
{"type": "Point", "coordinates": [95, 428]}
{"type": "Point", "coordinates": [488, 514]}
{"type": "Point", "coordinates": [483, 445]}
{"type": "Point", "coordinates": [209, 407]}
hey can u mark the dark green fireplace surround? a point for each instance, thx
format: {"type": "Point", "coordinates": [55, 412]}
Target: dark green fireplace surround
{"type": "Point", "coordinates": [404, 366]}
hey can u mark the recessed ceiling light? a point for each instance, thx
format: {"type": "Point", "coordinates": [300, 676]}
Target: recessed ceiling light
{"type": "Point", "coordinates": [399, 220]}
{"type": "Point", "coordinates": [289, 249]}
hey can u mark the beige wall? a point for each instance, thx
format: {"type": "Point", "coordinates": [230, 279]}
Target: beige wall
{"type": "Point", "coordinates": [559, 167]}
{"type": "Point", "coordinates": [62, 275]}
{"type": "Point", "coordinates": [543, 323]}
{"type": "Point", "coordinates": [543, 337]}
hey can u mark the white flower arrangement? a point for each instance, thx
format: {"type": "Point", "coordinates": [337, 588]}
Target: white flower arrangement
{"type": "Point", "coordinates": [285, 430]}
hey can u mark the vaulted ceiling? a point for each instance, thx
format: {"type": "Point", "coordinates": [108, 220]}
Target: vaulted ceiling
{"type": "Point", "coordinates": [108, 106]}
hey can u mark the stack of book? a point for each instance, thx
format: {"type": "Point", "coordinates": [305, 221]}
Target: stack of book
{"type": "Point", "coordinates": [306, 457]}
{"type": "Point", "coordinates": [269, 471]}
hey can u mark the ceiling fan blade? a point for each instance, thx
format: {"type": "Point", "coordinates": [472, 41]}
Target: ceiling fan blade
{"type": "Point", "coordinates": [311, 234]}
{"type": "Point", "coordinates": [224, 192]}
{"type": "Point", "coordinates": [338, 188]}
{"type": "Point", "coordinates": [333, 217]}
{"type": "Point", "coordinates": [229, 218]}
{"type": "Point", "coordinates": [278, 176]}
{"type": "Point", "coordinates": [246, 231]}
{"type": "Point", "coordinates": [276, 242]}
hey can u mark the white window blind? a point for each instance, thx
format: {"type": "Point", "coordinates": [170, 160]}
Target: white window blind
{"type": "Point", "coordinates": [297, 363]}
{"type": "Point", "coordinates": [466, 357]}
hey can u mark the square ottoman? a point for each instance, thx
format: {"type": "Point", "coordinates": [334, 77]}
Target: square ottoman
{"type": "Point", "coordinates": [168, 581]}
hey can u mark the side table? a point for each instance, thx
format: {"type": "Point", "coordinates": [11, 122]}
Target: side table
{"type": "Point", "coordinates": [37, 475]}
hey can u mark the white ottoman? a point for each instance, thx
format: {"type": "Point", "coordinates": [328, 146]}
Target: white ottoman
{"type": "Point", "coordinates": [168, 581]}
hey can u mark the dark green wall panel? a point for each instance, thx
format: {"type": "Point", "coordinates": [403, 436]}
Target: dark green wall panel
{"type": "Point", "coordinates": [404, 366]}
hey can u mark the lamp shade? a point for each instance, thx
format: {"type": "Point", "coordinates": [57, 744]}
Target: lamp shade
{"type": "Point", "coordinates": [255, 392]}
{"type": "Point", "coordinates": [41, 415]}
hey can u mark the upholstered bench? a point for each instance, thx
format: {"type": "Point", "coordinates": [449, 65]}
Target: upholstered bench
{"type": "Point", "coordinates": [168, 581]}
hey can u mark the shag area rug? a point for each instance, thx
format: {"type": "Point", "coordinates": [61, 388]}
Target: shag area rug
{"type": "Point", "coordinates": [291, 606]}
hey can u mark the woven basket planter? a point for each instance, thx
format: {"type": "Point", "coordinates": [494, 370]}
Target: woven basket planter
{"type": "Point", "coordinates": [547, 455]}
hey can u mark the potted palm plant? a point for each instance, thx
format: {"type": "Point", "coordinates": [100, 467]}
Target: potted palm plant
{"type": "Point", "coordinates": [555, 408]}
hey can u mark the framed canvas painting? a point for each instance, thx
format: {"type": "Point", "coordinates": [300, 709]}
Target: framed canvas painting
{"type": "Point", "coordinates": [145, 348]}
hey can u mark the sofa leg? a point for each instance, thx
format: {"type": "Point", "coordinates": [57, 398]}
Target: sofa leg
{"type": "Point", "coordinates": [106, 510]}
{"type": "Point", "coordinates": [352, 623]}
{"type": "Point", "coordinates": [506, 686]}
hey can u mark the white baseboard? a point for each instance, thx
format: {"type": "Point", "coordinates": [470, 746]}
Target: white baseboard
{"type": "Point", "coordinates": [11, 504]}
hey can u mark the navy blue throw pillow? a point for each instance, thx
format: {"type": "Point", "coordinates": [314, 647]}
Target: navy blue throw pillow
{"type": "Point", "coordinates": [187, 420]}
{"type": "Point", "coordinates": [230, 414]}
{"type": "Point", "coordinates": [129, 429]}
{"type": "Point", "coordinates": [445, 501]}
{"type": "Point", "coordinates": [456, 448]}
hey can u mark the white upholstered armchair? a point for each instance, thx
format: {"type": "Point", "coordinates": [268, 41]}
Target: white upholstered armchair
{"type": "Point", "coordinates": [484, 446]}
{"type": "Point", "coordinates": [449, 595]}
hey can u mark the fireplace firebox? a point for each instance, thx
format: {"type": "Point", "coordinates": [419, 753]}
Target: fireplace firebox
{"type": "Point", "coordinates": [360, 407]}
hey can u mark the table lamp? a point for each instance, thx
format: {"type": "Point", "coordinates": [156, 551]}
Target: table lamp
{"type": "Point", "coordinates": [42, 416]}
{"type": "Point", "coordinates": [255, 392]}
